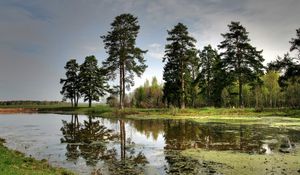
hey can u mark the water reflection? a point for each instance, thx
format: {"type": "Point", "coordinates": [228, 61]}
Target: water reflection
{"type": "Point", "coordinates": [181, 135]}
{"type": "Point", "coordinates": [94, 142]}
{"type": "Point", "coordinates": [114, 146]}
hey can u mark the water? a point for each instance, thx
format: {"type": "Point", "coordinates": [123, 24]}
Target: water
{"type": "Point", "coordinates": [87, 144]}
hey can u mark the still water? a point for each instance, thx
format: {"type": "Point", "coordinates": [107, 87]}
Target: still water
{"type": "Point", "coordinates": [87, 144]}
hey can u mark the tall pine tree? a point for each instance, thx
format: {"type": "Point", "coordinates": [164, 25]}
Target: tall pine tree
{"type": "Point", "coordinates": [177, 58]}
{"type": "Point", "coordinates": [295, 42]}
{"type": "Point", "coordinates": [92, 80]}
{"type": "Point", "coordinates": [208, 61]}
{"type": "Point", "coordinates": [240, 58]}
{"type": "Point", "coordinates": [124, 58]}
{"type": "Point", "coordinates": [70, 87]}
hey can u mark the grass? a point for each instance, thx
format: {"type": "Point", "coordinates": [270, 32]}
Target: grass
{"type": "Point", "coordinates": [162, 112]}
{"type": "Point", "coordinates": [229, 162]}
{"type": "Point", "coordinates": [274, 117]}
{"type": "Point", "coordinates": [15, 163]}
{"type": "Point", "coordinates": [208, 112]}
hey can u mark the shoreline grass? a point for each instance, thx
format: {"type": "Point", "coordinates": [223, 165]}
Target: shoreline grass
{"type": "Point", "coordinates": [16, 163]}
{"type": "Point", "coordinates": [274, 117]}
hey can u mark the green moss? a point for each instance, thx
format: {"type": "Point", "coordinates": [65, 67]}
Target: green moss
{"type": "Point", "coordinates": [229, 162]}
{"type": "Point", "coordinates": [15, 163]}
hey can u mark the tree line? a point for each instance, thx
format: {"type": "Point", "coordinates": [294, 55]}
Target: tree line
{"type": "Point", "coordinates": [231, 75]}
{"type": "Point", "coordinates": [30, 102]}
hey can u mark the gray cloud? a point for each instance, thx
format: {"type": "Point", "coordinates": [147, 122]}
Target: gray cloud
{"type": "Point", "coordinates": [39, 36]}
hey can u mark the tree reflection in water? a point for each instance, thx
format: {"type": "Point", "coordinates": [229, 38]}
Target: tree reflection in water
{"type": "Point", "coordinates": [90, 140]}
{"type": "Point", "coordinates": [93, 142]}
{"type": "Point", "coordinates": [181, 134]}
{"type": "Point", "coordinates": [87, 140]}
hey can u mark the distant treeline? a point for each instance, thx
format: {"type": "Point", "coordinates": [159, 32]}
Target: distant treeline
{"type": "Point", "coordinates": [231, 75]}
{"type": "Point", "coordinates": [29, 102]}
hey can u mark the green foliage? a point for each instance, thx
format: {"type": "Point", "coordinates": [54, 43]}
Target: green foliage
{"type": "Point", "coordinates": [124, 57]}
{"type": "Point", "coordinates": [92, 80]}
{"type": "Point", "coordinates": [193, 89]}
{"type": "Point", "coordinates": [241, 60]}
{"type": "Point", "coordinates": [70, 89]}
{"type": "Point", "coordinates": [191, 77]}
{"type": "Point", "coordinates": [211, 77]}
{"type": "Point", "coordinates": [295, 42]}
{"type": "Point", "coordinates": [148, 96]}
{"type": "Point", "coordinates": [30, 103]}
{"type": "Point", "coordinates": [179, 54]}
{"type": "Point", "coordinates": [112, 101]}
{"type": "Point", "coordinates": [292, 93]}
{"type": "Point", "coordinates": [272, 89]}
{"type": "Point", "coordinates": [287, 66]}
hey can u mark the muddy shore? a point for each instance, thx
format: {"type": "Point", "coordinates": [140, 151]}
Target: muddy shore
{"type": "Point", "coordinates": [17, 110]}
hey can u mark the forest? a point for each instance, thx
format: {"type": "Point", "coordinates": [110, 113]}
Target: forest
{"type": "Point", "coordinates": [232, 75]}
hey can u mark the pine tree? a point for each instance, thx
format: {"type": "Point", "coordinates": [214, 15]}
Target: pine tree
{"type": "Point", "coordinates": [240, 58]}
{"type": "Point", "coordinates": [288, 67]}
{"type": "Point", "coordinates": [92, 80]}
{"type": "Point", "coordinates": [70, 87]}
{"type": "Point", "coordinates": [295, 42]}
{"type": "Point", "coordinates": [208, 57]}
{"type": "Point", "coordinates": [178, 58]}
{"type": "Point", "coordinates": [124, 58]}
{"type": "Point", "coordinates": [194, 71]}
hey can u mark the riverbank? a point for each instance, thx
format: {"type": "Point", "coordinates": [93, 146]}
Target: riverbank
{"type": "Point", "coordinates": [170, 113]}
{"type": "Point", "coordinates": [16, 163]}
{"type": "Point", "coordinates": [153, 112]}
{"type": "Point", "coordinates": [275, 117]}
{"type": "Point", "coordinates": [17, 110]}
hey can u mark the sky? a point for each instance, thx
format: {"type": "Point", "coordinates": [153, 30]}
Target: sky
{"type": "Point", "coordinates": [39, 36]}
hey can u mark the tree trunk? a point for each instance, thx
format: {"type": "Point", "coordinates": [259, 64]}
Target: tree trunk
{"type": "Point", "coordinates": [182, 102]}
{"type": "Point", "coordinates": [76, 104]}
{"type": "Point", "coordinates": [90, 102]}
{"type": "Point", "coordinates": [121, 88]}
{"type": "Point", "coordinates": [241, 104]}
{"type": "Point", "coordinates": [194, 89]}
{"type": "Point", "coordinates": [256, 97]}
{"type": "Point", "coordinates": [72, 104]}
{"type": "Point", "coordinates": [75, 101]}
{"type": "Point", "coordinates": [238, 68]}
{"type": "Point", "coordinates": [123, 85]}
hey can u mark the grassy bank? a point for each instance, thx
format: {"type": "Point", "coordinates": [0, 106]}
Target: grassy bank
{"type": "Point", "coordinates": [171, 113]}
{"type": "Point", "coordinates": [154, 113]}
{"type": "Point", "coordinates": [15, 163]}
{"type": "Point", "coordinates": [289, 118]}
{"type": "Point", "coordinates": [274, 117]}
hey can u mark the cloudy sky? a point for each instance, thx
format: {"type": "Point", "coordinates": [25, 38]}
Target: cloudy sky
{"type": "Point", "coordinates": [39, 36]}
